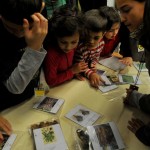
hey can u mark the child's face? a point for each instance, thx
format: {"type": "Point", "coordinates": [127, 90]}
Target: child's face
{"type": "Point", "coordinates": [68, 43]}
{"type": "Point", "coordinates": [111, 34]}
{"type": "Point", "coordinates": [93, 39]}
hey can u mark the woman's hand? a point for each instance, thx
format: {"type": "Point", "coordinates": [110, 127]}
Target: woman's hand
{"type": "Point", "coordinates": [36, 31]}
{"type": "Point", "coordinates": [5, 126]}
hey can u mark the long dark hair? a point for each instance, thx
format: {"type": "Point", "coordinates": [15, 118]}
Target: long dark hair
{"type": "Point", "coordinates": [145, 39]}
{"type": "Point", "coordinates": [16, 10]}
{"type": "Point", "coordinates": [147, 17]}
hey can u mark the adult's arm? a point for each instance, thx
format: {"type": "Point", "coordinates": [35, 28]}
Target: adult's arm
{"type": "Point", "coordinates": [141, 101]}
{"type": "Point", "coordinates": [26, 69]}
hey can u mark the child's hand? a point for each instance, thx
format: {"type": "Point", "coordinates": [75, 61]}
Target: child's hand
{"type": "Point", "coordinates": [127, 61]}
{"type": "Point", "coordinates": [135, 124]}
{"type": "Point", "coordinates": [96, 80]}
{"type": "Point", "coordinates": [79, 77]}
{"type": "Point", "coordinates": [79, 67]}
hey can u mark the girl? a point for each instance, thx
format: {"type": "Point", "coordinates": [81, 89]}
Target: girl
{"type": "Point", "coordinates": [62, 41]}
{"type": "Point", "coordinates": [115, 37]}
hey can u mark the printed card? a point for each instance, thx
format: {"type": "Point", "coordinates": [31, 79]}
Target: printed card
{"type": "Point", "coordinates": [140, 66]}
{"type": "Point", "coordinates": [112, 63]}
{"type": "Point", "coordinates": [82, 115]}
{"type": "Point", "coordinates": [114, 79]}
{"type": "Point", "coordinates": [107, 86]}
{"type": "Point", "coordinates": [129, 79]}
{"type": "Point", "coordinates": [49, 137]}
{"type": "Point", "coordinates": [105, 136]}
{"type": "Point", "coordinates": [107, 81]}
{"type": "Point", "coordinates": [7, 142]}
{"type": "Point", "coordinates": [49, 104]}
{"type": "Point", "coordinates": [100, 72]}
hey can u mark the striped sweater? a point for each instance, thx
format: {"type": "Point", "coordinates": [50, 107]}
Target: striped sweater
{"type": "Point", "coordinates": [89, 55]}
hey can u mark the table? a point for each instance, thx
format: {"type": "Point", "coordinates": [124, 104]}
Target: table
{"type": "Point", "coordinates": [74, 92]}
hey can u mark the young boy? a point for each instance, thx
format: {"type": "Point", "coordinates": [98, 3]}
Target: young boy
{"type": "Point", "coordinates": [89, 50]}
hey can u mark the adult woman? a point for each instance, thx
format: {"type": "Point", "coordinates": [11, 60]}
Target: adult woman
{"type": "Point", "coordinates": [135, 15]}
{"type": "Point", "coordinates": [22, 32]}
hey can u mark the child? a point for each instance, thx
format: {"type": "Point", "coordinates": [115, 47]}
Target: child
{"type": "Point", "coordinates": [89, 50]}
{"type": "Point", "coordinates": [116, 38]}
{"type": "Point", "coordinates": [22, 32]}
{"type": "Point", "coordinates": [61, 43]}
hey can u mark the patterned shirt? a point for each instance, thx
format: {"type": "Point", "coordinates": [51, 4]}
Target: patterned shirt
{"type": "Point", "coordinates": [90, 56]}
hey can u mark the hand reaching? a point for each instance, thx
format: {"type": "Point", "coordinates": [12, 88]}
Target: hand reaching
{"type": "Point", "coordinates": [127, 61]}
{"type": "Point", "coordinates": [5, 126]}
{"type": "Point", "coordinates": [96, 80]}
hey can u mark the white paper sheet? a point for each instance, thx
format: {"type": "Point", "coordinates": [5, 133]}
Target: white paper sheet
{"type": "Point", "coordinates": [49, 104]}
{"type": "Point", "coordinates": [112, 63]}
{"type": "Point", "coordinates": [82, 115]}
{"type": "Point", "coordinates": [105, 136]}
{"type": "Point", "coordinates": [49, 138]}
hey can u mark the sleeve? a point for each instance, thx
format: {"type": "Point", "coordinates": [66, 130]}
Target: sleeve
{"type": "Point", "coordinates": [88, 72]}
{"type": "Point", "coordinates": [144, 103]}
{"type": "Point", "coordinates": [143, 134]}
{"type": "Point", "coordinates": [53, 77]}
{"type": "Point", "coordinates": [81, 56]}
{"type": "Point", "coordinates": [27, 67]}
{"type": "Point", "coordinates": [141, 101]}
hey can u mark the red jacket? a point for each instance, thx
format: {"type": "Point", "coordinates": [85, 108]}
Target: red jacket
{"type": "Point", "coordinates": [57, 66]}
{"type": "Point", "coordinates": [109, 46]}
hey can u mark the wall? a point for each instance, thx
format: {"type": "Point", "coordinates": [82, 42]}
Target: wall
{"type": "Point", "coordinates": [110, 2]}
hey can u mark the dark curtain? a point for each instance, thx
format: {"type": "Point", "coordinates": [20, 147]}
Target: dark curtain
{"type": "Point", "coordinates": [91, 4]}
